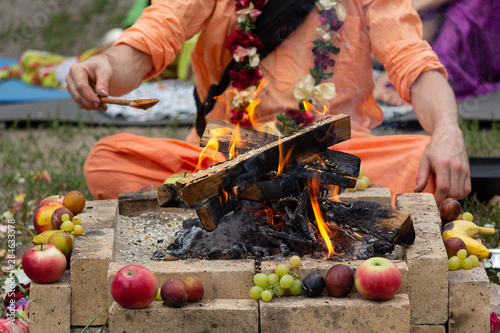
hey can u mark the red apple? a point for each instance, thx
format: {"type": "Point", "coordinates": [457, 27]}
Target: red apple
{"type": "Point", "coordinates": [52, 198]}
{"type": "Point", "coordinates": [43, 215]}
{"type": "Point", "coordinates": [377, 278]}
{"type": "Point", "coordinates": [449, 210]}
{"type": "Point", "coordinates": [339, 280]}
{"type": "Point", "coordinates": [174, 293]}
{"type": "Point", "coordinates": [134, 287]}
{"type": "Point", "coordinates": [44, 263]}
{"type": "Point", "coordinates": [453, 245]}
{"type": "Point", "coordinates": [196, 289]}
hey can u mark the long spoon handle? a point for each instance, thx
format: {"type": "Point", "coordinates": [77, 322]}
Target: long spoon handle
{"type": "Point", "coordinates": [115, 101]}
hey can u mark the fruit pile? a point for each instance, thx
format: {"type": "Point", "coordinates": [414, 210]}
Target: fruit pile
{"type": "Point", "coordinates": [135, 286]}
{"type": "Point", "coordinates": [458, 235]}
{"type": "Point", "coordinates": [56, 223]}
{"type": "Point", "coordinates": [362, 182]}
{"type": "Point", "coordinates": [376, 278]}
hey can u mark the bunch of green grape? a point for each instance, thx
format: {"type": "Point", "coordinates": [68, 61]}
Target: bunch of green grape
{"type": "Point", "coordinates": [275, 284]}
{"type": "Point", "coordinates": [362, 182]}
{"type": "Point", "coordinates": [462, 261]}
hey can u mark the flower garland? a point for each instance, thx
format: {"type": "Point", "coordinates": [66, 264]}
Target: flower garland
{"type": "Point", "coordinates": [246, 75]}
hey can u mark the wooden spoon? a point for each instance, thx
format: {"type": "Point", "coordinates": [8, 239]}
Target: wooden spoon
{"type": "Point", "coordinates": [143, 104]}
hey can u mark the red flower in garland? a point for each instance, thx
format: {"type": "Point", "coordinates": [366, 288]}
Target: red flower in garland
{"type": "Point", "coordinates": [302, 118]}
{"type": "Point", "coordinates": [242, 4]}
{"type": "Point", "coordinates": [246, 40]}
{"type": "Point", "coordinates": [237, 118]}
{"type": "Point", "coordinates": [244, 78]}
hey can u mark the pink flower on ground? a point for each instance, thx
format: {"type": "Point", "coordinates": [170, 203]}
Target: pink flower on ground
{"type": "Point", "coordinates": [494, 322]}
{"type": "Point", "coordinates": [17, 326]}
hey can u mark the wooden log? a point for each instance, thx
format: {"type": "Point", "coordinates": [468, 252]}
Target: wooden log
{"type": "Point", "coordinates": [205, 184]}
{"type": "Point", "coordinates": [372, 218]}
{"type": "Point", "coordinates": [167, 195]}
{"type": "Point", "coordinates": [247, 139]}
{"type": "Point", "coordinates": [213, 210]}
{"type": "Point", "coordinates": [272, 190]}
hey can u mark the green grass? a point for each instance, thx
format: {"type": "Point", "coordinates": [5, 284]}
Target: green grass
{"type": "Point", "coordinates": [65, 32]}
{"type": "Point", "coordinates": [481, 141]}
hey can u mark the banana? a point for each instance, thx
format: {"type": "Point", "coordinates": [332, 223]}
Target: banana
{"type": "Point", "coordinates": [43, 237]}
{"type": "Point", "coordinates": [469, 228]}
{"type": "Point", "coordinates": [466, 230]}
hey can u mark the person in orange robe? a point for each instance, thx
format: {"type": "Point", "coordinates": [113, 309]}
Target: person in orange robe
{"type": "Point", "coordinates": [390, 30]}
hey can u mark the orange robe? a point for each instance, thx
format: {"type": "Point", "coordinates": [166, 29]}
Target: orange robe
{"type": "Point", "coordinates": [388, 29]}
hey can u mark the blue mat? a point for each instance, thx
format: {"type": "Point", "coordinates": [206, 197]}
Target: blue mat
{"type": "Point", "coordinates": [16, 91]}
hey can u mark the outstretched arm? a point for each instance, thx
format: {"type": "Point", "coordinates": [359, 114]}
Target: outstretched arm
{"type": "Point", "coordinates": [445, 155]}
{"type": "Point", "coordinates": [116, 71]}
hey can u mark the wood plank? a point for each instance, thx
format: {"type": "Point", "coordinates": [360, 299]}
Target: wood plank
{"type": "Point", "coordinates": [167, 195]}
{"type": "Point", "coordinates": [213, 210]}
{"type": "Point", "coordinates": [314, 138]}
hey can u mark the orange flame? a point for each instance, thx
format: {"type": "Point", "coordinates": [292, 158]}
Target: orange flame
{"type": "Point", "coordinates": [335, 191]}
{"type": "Point", "coordinates": [272, 216]}
{"type": "Point", "coordinates": [310, 107]}
{"type": "Point", "coordinates": [325, 232]}
{"type": "Point", "coordinates": [284, 160]}
{"type": "Point", "coordinates": [235, 141]}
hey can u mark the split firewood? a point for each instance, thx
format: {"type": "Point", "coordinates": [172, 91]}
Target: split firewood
{"type": "Point", "coordinates": [371, 218]}
{"type": "Point", "coordinates": [245, 139]}
{"type": "Point", "coordinates": [213, 210]}
{"type": "Point", "coordinates": [312, 139]}
{"type": "Point", "coordinates": [167, 195]}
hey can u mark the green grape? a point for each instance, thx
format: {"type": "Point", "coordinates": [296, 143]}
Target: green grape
{"type": "Point", "coordinates": [67, 226]}
{"type": "Point", "coordinates": [467, 263]}
{"type": "Point", "coordinates": [65, 217]}
{"type": "Point", "coordinates": [278, 290]}
{"type": "Point", "coordinates": [295, 262]}
{"type": "Point", "coordinates": [266, 295]}
{"type": "Point", "coordinates": [361, 173]}
{"type": "Point", "coordinates": [286, 281]}
{"type": "Point", "coordinates": [361, 184]}
{"type": "Point", "coordinates": [454, 263]}
{"type": "Point", "coordinates": [76, 219]}
{"type": "Point", "coordinates": [260, 279]}
{"type": "Point", "coordinates": [273, 278]}
{"type": "Point", "coordinates": [462, 253]}
{"type": "Point", "coordinates": [467, 216]}
{"type": "Point", "coordinates": [281, 270]}
{"type": "Point", "coordinates": [296, 288]}
{"type": "Point", "coordinates": [474, 259]}
{"type": "Point", "coordinates": [255, 292]}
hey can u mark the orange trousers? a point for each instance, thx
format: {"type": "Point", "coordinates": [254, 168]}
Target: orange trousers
{"type": "Point", "coordinates": [126, 162]}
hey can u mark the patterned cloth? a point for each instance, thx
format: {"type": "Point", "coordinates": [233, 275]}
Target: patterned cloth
{"type": "Point", "coordinates": [468, 44]}
{"type": "Point", "coordinates": [43, 68]}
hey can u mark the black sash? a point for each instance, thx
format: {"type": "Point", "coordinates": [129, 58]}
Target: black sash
{"type": "Point", "coordinates": [278, 20]}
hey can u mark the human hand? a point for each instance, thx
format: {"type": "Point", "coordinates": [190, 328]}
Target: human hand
{"type": "Point", "coordinates": [116, 71]}
{"type": "Point", "coordinates": [87, 78]}
{"type": "Point", "coordinates": [446, 158]}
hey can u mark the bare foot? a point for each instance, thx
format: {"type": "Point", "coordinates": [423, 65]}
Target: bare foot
{"type": "Point", "coordinates": [384, 91]}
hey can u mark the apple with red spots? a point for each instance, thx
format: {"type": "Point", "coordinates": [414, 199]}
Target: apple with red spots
{"type": "Point", "coordinates": [134, 287]}
{"type": "Point", "coordinates": [44, 263]}
{"type": "Point", "coordinates": [377, 279]}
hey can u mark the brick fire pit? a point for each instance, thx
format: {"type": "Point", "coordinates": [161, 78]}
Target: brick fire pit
{"type": "Point", "coordinates": [431, 299]}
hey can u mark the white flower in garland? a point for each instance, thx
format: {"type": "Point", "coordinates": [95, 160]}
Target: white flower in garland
{"type": "Point", "coordinates": [244, 97]}
{"type": "Point", "coordinates": [241, 53]}
{"type": "Point", "coordinates": [307, 90]}
{"type": "Point", "coordinates": [249, 11]}
{"type": "Point", "coordinates": [332, 4]}
{"type": "Point", "coordinates": [325, 35]}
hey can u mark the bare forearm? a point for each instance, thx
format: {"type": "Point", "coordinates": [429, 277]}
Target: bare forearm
{"type": "Point", "coordinates": [130, 66]}
{"type": "Point", "coordinates": [434, 102]}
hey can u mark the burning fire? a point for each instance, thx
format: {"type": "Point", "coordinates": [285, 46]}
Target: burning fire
{"type": "Point", "coordinates": [313, 185]}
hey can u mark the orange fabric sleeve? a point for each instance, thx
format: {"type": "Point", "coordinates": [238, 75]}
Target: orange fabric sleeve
{"type": "Point", "coordinates": [164, 26]}
{"type": "Point", "coordinates": [396, 38]}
